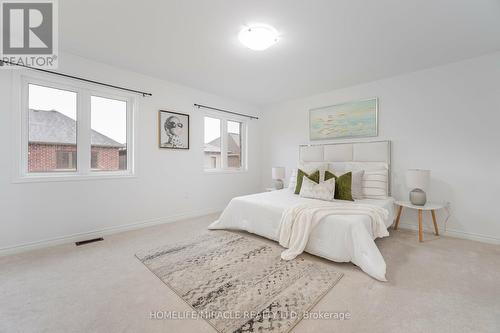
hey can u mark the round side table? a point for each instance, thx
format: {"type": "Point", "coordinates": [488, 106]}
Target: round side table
{"type": "Point", "coordinates": [429, 206]}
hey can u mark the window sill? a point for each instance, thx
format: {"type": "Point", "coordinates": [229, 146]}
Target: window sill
{"type": "Point", "coordinates": [42, 178]}
{"type": "Point", "coordinates": [223, 171]}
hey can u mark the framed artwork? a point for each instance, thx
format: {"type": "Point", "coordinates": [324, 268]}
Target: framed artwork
{"type": "Point", "coordinates": [347, 120]}
{"type": "Point", "coordinates": [173, 130]}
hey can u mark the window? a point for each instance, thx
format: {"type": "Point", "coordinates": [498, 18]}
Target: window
{"type": "Point", "coordinates": [234, 144]}
{"type": "Point", "coordinates": [93, 159]}
{"type": "Point", "coordinates": [73, 130]}
{"type": "Point", "coordinates": [52, 127]}
{"type": "Point", "coordinates": [213, 143]}
{"type": "Point", "coordinates": [66, 160]}
{"type": "Point", "coordinates": [224, 144]}
{"type": "Point", "coordinates": [108, 138]}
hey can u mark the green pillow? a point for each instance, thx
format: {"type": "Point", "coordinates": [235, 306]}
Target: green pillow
{"type": "Point", "coordinates": [342, 185]}
{"type": "Point", "coordinates": [300, 175]}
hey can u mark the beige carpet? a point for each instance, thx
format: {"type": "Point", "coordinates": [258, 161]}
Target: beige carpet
{"type": "Point", "coordinates": [441, 285]}
{"type": "Point", "coordinates": [241, 284]}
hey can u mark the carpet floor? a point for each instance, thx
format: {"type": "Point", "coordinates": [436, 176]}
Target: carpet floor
{"type": "Point", "coordinates": [441, 285]}
{"type": "Point", "coordinates": [239, 283]}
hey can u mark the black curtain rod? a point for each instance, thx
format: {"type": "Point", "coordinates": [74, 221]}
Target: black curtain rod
{"type": "Point", "coordinates": [144, 94]}
{"type": "Point", "coordinates": [236, 113]}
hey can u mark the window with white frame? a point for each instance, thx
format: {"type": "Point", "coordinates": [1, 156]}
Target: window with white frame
{"type": "Point", "coordinates": [73, 130]}
{"type": "Point", "coordinates": [224, 144]}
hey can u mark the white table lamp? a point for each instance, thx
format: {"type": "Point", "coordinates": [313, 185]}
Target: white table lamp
{"type": "Point", "coordinates": [278, 174]}
{"type": "Point", "coordinates": [417, 181]}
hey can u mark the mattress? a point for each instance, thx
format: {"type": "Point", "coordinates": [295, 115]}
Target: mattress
{"type": "Point", "coordinates": [340, 238]}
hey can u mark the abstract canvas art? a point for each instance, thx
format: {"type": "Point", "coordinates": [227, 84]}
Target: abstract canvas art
{"type": "Point", "coordinates": [346, 120]}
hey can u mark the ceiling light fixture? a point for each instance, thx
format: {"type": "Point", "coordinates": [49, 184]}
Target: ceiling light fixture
{"type": "Point", "coordinates": [258, 37]}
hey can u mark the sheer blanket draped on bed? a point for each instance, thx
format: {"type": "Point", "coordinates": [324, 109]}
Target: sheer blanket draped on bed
{"type": "Point", "coordinates": [297, 222]}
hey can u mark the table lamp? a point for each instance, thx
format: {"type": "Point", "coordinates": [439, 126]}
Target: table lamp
{"type": "Point", "coordinates": [417, 181]}
{"type": "Point", "coordinates": [278, 174]}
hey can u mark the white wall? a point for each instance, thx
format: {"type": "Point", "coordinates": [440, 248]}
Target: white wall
{"type": "Point", "coordinates": [170, 184]}
{"type": "Point", "coordinates": [445, 119]}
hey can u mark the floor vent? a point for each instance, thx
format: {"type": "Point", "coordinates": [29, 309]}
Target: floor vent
{"type": "Point", "coordinates": [89, 241]}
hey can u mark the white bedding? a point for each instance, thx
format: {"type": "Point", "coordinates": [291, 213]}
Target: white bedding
{"type": "Point", "coordinates": [340, 238]}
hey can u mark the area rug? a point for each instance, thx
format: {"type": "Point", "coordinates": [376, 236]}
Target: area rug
{"type": "Point", "coordinates": [240, 284]}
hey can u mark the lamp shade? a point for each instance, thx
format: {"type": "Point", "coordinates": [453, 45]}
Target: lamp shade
{"type": "Point", "coordinates": [278, 173]}
{"type": "Point", "coordinates": [418, 178]}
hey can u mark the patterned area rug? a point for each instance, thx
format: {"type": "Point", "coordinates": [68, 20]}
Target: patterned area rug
{"type": "Point", "coordinates": [240, 284]}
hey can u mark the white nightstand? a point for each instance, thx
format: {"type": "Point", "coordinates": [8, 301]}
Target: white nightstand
{"type": "Point", "coordinates": [430, 206]}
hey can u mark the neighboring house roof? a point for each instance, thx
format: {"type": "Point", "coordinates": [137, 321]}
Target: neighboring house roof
{"type": "Point", "coordinates": [233, 145]}
{"type": "Point", "coordinates": [57, 128]}
{"type": "Point", "coordinates": [209, 148]}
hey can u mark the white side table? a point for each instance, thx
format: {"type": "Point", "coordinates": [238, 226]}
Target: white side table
{"type": "Point", "coordinates": [429, 206]}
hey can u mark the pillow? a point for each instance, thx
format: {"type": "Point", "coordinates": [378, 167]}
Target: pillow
{"type": "Point", "coordinates": [322, 191]}
{"type": "Point", "coordinates": [342, 185]}
{"type": "Point", "coordinates": [356, 183]}
{"type": "Point", "coordinates": [300, 176]}
{"type": "Point", "coordinates": [375, 184]}
{"type": "Point", "coordinates": [292, 183]}
{"type": "Point", "coordinates": [308, 167]}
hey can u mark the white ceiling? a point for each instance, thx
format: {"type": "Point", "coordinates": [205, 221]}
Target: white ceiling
{"type": "Point", "coordinates": [325, 44]}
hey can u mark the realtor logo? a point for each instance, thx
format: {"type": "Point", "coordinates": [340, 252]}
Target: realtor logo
{"type": "Point", "coordinates": [29, 33]}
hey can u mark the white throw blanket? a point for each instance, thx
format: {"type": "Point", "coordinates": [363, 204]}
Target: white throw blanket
{"type": "Point", "coordinates": [297, 222]}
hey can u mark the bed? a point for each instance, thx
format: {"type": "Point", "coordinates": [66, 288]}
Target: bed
{"type": "Point", "coordinates": [340, 238]}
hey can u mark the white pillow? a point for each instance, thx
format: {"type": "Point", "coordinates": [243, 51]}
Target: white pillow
{"type": "Point", "coordinates": [356, 181]}
{"type": "Point", "coordinates": [357, 184]}
{"type": "Point", "coordinates": [292, 183]}
{"type": "Point", "coordinates": [307, 167]}
{"type": "Point", "coordinates": [375, 184]}
{"type": "Point", "coordinates": [322, 191]}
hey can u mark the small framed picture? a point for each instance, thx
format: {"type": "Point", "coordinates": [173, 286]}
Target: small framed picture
{"type": "Point", "coordinates": [173, 130]}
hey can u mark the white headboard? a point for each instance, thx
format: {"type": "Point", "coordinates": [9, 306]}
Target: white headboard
{"type": "Point", "coordinates": [374, 153]}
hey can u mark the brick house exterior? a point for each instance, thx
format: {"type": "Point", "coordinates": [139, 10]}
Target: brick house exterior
{"type": "Point", "coordinates": [44, 157]}
{"type": "Point", "coordinates": [212, 158]}
{"type": "Point", "coordinates": [52, 145]}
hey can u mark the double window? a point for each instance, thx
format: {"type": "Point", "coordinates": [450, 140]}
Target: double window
{"type": "Point", "coordinates": [225, 143]}
{"type": "Point", "coordinates": [71, 130]}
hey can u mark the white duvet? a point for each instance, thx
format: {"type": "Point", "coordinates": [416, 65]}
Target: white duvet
{"type": "Point", "coordinates": [297, 222]}
{"type": "Point", "coordinates": [340, 238]}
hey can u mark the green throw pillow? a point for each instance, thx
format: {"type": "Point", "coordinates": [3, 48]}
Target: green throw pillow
{"type": "Point", "coordinates": [300, 175]}
{"type": "Point", "coordinates": [342, 185]}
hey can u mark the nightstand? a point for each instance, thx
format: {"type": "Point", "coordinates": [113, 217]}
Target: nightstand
{"type": "Point", "coordinates": [430, 206]}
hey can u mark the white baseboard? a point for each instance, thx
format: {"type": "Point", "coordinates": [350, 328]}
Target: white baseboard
{"type": "Point", "coordinates": [193, 214]}
{"type": "Point", "coordinates": [454, 233]}
{"type": "Point", "coordinates": [103, 232]}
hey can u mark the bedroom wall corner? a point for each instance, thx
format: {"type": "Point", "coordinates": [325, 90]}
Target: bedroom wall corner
{"type": "Point", "coordinates": [444, 119]}
{"type": "Point", "coordinates": [169, 184]}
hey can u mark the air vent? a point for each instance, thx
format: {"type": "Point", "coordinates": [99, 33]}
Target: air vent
{"type": "Point", "coordinates": [89, 241]}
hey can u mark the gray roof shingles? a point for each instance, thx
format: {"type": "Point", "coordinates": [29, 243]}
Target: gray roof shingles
{"type": "Point", "coordinates": [57, 128]}
{"type": "Point", "coordinates": [233, 145]}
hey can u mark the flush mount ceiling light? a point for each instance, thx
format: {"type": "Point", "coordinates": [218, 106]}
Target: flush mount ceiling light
{"type": "Point", "coordinates": [258, 37]}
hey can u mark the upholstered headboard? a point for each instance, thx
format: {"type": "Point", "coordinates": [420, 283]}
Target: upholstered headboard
{"type": "Point", "coordinates": [353, 155]}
